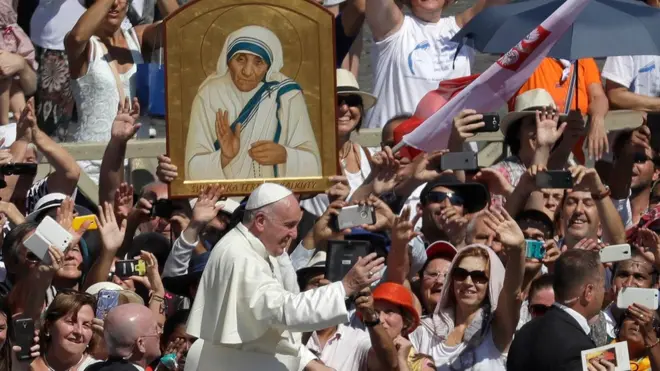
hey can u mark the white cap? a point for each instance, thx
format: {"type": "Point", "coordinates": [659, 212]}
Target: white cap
{"type": "Point", "coordinates": [266, 194]}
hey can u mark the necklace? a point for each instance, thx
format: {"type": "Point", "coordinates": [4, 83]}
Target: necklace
{"type": "Point", "coordinates": [74, 367]}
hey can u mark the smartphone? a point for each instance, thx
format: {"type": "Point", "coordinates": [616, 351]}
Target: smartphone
{"type": "Point", "coordinates": [48, 233]}
{"type": "Point", "coordinates": [491, 121]}
{"type": "Point", "coordinates": [128, 268]}
{"type": "Point", "coordinates": [106, 300]}
{"type": "Point", "coordinates": [19, 169]}
{"type": "Point", "coordinates": [23, 336]}
{"type": "Point", "coordinates": [653, 121]}
{"type": "Point", "coordinates": [615, 253]}
{"type": "Point", "coordinates": [80, 220]}
{"type": "Point", "coordinates": [162, 208]}
{"type": "Point", "coordinates": [630, 295]}
{"type": "Point", "coordinates": [535, 249]}
{"type": "Point", "coordinates": [342, 256]}
{"type": "Point", "coordinates": [355, 215]}
{"type": "Point", "coordinates": [459, 161]}
{"type": "Point", "coordinates": [554, 179]}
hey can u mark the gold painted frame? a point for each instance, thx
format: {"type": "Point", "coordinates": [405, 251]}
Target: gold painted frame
{"type": "Point", "coordinates": [194, 37]}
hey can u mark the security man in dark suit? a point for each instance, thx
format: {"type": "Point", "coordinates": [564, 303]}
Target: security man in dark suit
{"type": "Point", "coordinates": [555, 341]}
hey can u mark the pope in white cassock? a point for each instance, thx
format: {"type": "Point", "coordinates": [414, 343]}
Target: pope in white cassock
{"type": "Point", "coordinates": [248, 120]}
{"type": "Point", "coordinates": [248, 310]}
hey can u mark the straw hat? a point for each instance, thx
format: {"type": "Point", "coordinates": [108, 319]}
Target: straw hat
{"type": "Point", "coordinates": [527, 104]}
{"type": "Point", "coordinates": [398, 295]}
{"type": "Point", "coordinates": [348, 85]}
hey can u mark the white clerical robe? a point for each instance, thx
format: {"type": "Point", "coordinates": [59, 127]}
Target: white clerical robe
{"type": "Point", "coordinates": [247, 318]}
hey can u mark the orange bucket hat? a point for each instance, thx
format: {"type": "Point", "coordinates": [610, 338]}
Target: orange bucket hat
{"type": "Point", "coordinates": [398, 295]}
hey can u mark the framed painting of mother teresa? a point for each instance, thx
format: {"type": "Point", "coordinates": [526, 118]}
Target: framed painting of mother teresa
{"type": "Point", "coordinates": [251, 95]}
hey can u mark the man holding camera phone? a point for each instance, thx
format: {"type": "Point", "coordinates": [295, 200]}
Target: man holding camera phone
{"type": "Point", "coordinates": [245, 311]}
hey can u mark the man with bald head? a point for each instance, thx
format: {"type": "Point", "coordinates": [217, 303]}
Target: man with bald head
{"type": "Point", "coordinates": [248, 315]}
{"type": "Point", "coordinates": [131, 335]}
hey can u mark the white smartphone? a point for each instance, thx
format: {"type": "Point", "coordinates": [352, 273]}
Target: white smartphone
{"type": "Point", "coordinates": [48, 233]}
{"type": "Point", "coordinates": [630, 295]}
{"type": "Point", "coordinates": [615, 253]}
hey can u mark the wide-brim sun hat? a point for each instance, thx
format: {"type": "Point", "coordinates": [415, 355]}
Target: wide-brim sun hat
{"type": "Point", "coordinates": [315, 265]}
{"type": "Point", "coordinates": [348, 85]}
{"type": "Point", "coordinates": [398, 295]}
{"type": "Point", "coordinates": [527, 104]}
{"type": "Point", "coordinates": [475, 195]}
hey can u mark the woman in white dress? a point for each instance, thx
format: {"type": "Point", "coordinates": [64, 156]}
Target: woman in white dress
{"type": "Point", "coordinates": [103, 60]}
{"type": "Point", "coordinates": [248, 120]}
{"type": "Point", "coordinates": [354, 159]}
{"type": "Point", "coordinates": [474, 322]}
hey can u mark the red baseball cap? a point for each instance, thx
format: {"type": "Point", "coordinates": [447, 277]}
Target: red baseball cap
{"type": "Point", "coordinates": [441, 248]}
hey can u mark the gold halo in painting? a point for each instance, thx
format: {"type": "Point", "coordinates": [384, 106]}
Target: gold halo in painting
{"type": "Point", "coordinates": [233, 18]}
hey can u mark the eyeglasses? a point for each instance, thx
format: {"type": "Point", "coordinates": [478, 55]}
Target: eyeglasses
{"type": "Point", "coordinates": [351, 100]}
{"type": "Point", "coordinates": [461, 274]}
{"type": "Point", "coordinates": [640, 158]}
{"type": "Point", "coordinates": [537, 310]}
{"type": "Point", "coordinates": [433, 276]}
{"type": "Point", "coordinates": [437, 197]}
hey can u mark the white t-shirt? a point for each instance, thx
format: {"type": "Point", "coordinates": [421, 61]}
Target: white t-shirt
{"type": "Point", "coordinates": [52, 20]}
{"type": "Point", "coordinates": [411, 62]}
{"type": "Point", "coordinates": [347, 350]}
{"type": "Point", "coordinates": [639, 73]}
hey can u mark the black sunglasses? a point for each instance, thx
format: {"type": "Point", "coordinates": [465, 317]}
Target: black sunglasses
{"type": "Point", "coordinates": [640, 158]}
{"type": "Point", "coordinates": [537, 310]}
{"type": "Point", "coordinates": [454, 198]}
{"type": "Point", "coordinates": [351, 100]}
{"type": "Point", "coordinates": [461, 274]}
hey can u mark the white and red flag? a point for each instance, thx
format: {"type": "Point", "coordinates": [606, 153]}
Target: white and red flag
{"type": "Point", "coordinates": [429, 130]}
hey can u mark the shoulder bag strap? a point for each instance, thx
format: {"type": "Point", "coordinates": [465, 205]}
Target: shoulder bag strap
{"type": "Point", "coordinates": [115, 71]}
{"type": "Point", "coordinates": [571, 89]}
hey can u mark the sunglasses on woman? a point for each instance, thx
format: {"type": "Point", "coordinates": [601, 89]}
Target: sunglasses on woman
{"type": "Point", "coordinates": [437, 197]}
{"type": "Point", "coordinates": [461, 274]}
{"type": "Point", "coordinates": [351, 100]}
{"type": "Point", "coordinates": [537, 310]}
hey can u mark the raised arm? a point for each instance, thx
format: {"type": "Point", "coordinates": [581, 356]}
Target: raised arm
{"type": "Point", "coordinates": [352, 16]}
{"type": "Point", "coordinates": [507, 313]}
{"type": "Point", "coordinates": [465, 17]}
{"type": "Point", "coordinates": [384, 18]}
{"type": "Point", "coordinates": [76, 41]}
{"type": "Point", "coordinates": [622, 98]}
{"type": "Point", "coordinates": [151, 35]}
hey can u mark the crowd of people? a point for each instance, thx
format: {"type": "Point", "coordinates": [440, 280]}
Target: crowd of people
{"type": "Point", "coordinates": [240, 283]}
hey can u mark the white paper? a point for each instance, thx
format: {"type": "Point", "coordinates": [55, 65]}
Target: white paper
{"type": "Point", "coordinates": [8, 132]}
{"type": "Point", "coordinates": [616, 353]}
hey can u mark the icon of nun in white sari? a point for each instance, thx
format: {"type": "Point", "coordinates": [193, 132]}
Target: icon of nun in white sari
{"type": "Point", "coordinates": [248, 120]}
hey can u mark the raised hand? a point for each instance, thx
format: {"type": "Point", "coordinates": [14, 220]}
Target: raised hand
{"type": "Point", "coordinates": [124, 126]}
{"type": "Point", "coordinates": [364, 304]}
{"type": "Point", "coordinates": [552, 253]}
{"type": "Point", "coordinates": [5, 155]}
{"type": "Point", "coordinates": [141, 213]}
{"type": "Point", "coordinates": [645, 319]}
{"type": "Point", "coordinates": [124, 200]}
{"type": "Point", "coordinates": [323, 229]}
{"type": "Point", "coordinates": [339, 190]}
{"type": "Point", "coordinates": [506, 229]}
{"type": "Point", "coordinates": [52, 261]}
{"type": "Point", "coordinates": [494, 181]}
{"type": "Point", "coordinates": [586, 244]}
{"type": "Point", "coordinates": [166, 172]}
{"type": "Point", "coordinates": [152, 281]}
{"type": "Point", "coordinates": [11, 212]}
{"type": "Point", "coordinates": [426, 166]}
{"type": "Point", "coordinates": [365, 272]}
{"type": "Point", "coordinates": [547, 130]}
{"type": "Point", "coordinates": [230, 141]}
{"type": "Point", "coordinates": [384, 168]}
{"type": "Point", "coordinates": [453, 224]}
{"type": "Point", "coordinates": [205, 208]}
{"type": "Point", "coordinates": [464, 125]}
{"type": "Point", "coordinates": [27, 123]}
{"type": "Point", "coordinates": [403, 229]}
{"type": "Point", "coordinates": [597, 143]}
{"type": "Point", "coordinates": [587, 178]}
{"type": "Point", "coordinates": [648, 243]}
{"type": "Point", "coordinates": [64, 217]}
{"type": "Point", "coordinates": [384, 215]}
{"type": "Point", "coordinates": [112, 234]}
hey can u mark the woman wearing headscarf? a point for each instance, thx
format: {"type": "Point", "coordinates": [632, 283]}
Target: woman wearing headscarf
{"type": "Point", "coordinates": [474, 322]}
{"type": "Point", "coordinates": [248, 120]}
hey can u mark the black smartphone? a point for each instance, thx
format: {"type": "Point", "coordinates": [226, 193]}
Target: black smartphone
{"type": "Point", "coordinates": [491, 121]}
{"type": "Point", "coordinates": [128, 268]}
{"type": "Point", "coordinates": [163, 208]}
{"type": "Point", "coordinates": [23, 336]}
{"type": "Point", "coordinates": [653, 121]}
{"type": "Point", "coordinates": [19, 169]}
{"type": "Point", "coordinates": [459, 161]}
{"type": "Point", "coordinates": [554, 179]}
{"type": "Point", "coordinates": [342, 256]}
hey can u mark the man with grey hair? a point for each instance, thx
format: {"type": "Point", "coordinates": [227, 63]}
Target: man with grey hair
{"type": "Point", "coordinates": [244, 311]}
{"type": "Point", "coordinates": [132, 336]}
